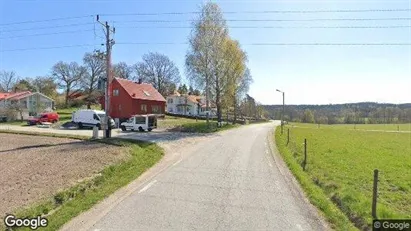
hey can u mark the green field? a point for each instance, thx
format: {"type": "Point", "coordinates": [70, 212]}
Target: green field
{"type": "Point", "coordinates": [341, 161]}
{"type": "Point", "coordinates": [381, 127]}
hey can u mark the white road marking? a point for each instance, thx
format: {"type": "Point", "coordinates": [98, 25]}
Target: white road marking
{"type": "Point", "coordinates": [97, 229]}
{"type": "Point", "coordinates": [147, 186]}
{"type": "Point", "coordinates": [177, 162]}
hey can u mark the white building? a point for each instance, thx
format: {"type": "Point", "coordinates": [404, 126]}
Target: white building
{"type": "Point", "coordinates": [185, 104]}
{"type": "Point", "coordinates": [26, 103]}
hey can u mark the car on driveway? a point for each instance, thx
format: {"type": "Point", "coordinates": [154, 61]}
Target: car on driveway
{"type": "Point", "coordinates": [48, 117]}
{"type": "Point", "coordinates": [140, 123]}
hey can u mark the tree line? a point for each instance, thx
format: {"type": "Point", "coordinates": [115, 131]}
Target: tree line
{"type": "Point", "coordinates": [358, 113]}
{"type": "Point", "coordinates": [72, 77]}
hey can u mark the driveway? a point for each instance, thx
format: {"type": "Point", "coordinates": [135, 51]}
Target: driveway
{"type": "Point", "coordinates": [227, 181]}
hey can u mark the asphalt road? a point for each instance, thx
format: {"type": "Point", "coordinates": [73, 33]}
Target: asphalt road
{"type": "Point", "coordinates": [229, 182]}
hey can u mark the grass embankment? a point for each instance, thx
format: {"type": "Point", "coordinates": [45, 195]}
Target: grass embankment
{"type": "Point", "coordinates": [340, 166]}
{"type": "Point", "coordinates": [69, 203]}
{"type": "Point", "coordinates": [191, 125]}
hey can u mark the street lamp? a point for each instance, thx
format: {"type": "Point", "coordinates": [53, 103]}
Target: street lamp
{"type": "Point", "coordinates": [282, 115]}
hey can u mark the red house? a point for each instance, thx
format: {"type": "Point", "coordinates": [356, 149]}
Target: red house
{"type": "Point", "coordinates": [129, 98]}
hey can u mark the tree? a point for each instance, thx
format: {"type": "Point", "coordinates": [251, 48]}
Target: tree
{"type": "Point", "coordinates": [45, 85]}
{"type": "Point", "coordinates": [158, 70]}
{"type": "Point", "coordinates": [207, 36]}
{"type": "Point", "coordinates": [69, 77]}
{"type": "Point", "coordinates": [95, 66]}
{"type": "Point", "coordinates": [7, 80]}
{"type": "Point", "coordinates": [24, 85]}
{"type": "Point", "coordinates": [183, 89]}
{"type": "Point", "coordinates": [122, 70]}
{"type": "Point", "coordinates": [308, 116]}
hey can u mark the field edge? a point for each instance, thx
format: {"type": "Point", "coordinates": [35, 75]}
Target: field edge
{"type": "Point", "coordinates": [330, 211]}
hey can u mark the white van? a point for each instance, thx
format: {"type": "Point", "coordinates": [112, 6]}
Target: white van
{"type": "Point", "coordinates": [90, 118]}
{"type": "Point", "coordinates": [140, 123]}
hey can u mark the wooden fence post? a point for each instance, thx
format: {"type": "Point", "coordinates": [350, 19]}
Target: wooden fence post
{"type": "Point", "coordinates": [375, 195]}
{"type": "Point", "coordinates": [288, 136]}
{"type": "Point", "coordinates": [305, 154]}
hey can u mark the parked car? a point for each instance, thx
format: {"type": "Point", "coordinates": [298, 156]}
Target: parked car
{"type": "Point", "coordinates": [49, 117]}
{"type": "Point", "coordinates": [90, 118]}
{"type": "Point", "coordinates": [140, 123]}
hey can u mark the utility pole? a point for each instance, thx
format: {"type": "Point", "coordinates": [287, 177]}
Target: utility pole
{"type": "Point", "coordinates": [282, 114]}
{"type": "Point", "coordinates": [109, 45]}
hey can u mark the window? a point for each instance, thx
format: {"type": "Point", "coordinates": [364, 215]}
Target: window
{"type": "Point", "coordinates": [140, 120]}
{"type": "Point", "coordinates": [143, 108]}
{"type": "Point", "coordinates": [115, 92]}
{"type": "Point", "coordinates": [170, 100]}
{"type": "Point", "coordinates": [155, 109]}
{"type": "Point", "coordinates": [119, 107]}
{"type": "Point", "coordinates": [96, 117]}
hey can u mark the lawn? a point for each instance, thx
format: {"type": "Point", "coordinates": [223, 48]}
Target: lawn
{"type": "Point", "coordinates": [191, 125]}
{"type": "Point", "coordinates": [341, 162]}
{"type": "Point", "coordinates": [171, 122]}
{"type": "Point", "coordinates": [69, 203]}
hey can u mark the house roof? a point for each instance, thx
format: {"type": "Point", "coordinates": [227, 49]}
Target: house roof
{"type": "Point", "coordinates": [14, 95]}
{"type": "Point", "coordinates": [140, 91]}
{"type": "Point", "coordinates": [19, 95]}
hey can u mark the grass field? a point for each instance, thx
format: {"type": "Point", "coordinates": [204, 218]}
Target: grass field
{"type": "Point", "coordinates": [380, 127]}
{"type": "Point", "coordinates": [341, 161]}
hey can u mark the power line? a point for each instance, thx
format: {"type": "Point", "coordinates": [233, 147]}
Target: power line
{"type": "Point", "coordinates": [48, 48]}
{"type": "Point", "coordinates": [276, 20]}
{"type": "Point", "coordinates": [31, 35]}
{"type": "Point", "coordinates": [47, 27]}
{"type": "Point", "coordinates": [276, 27]}
{"type": "Point", "coordinates": [267, 12]}
{"type": "Point", "coordinates": [278, 44]}
{"type": "Point", "coordinates": [45, 20]}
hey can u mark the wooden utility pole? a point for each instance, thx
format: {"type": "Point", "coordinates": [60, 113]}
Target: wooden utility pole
{"type": "Point", "coordinates": [109, 45]}
{"type": "Point", "coordinates": [374, 195]}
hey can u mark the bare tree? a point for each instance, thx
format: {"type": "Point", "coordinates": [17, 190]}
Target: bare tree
{"type": "Point", "coordinates": [158, 70]}
{"type": "Point", "coordinates": [95, 66]}
{"type": "Point", "coordinates": [7, 80]}
{"type": "Point", "coordinates": [122, 70]}
{"type": "Point", "coordinates": [68, 76]}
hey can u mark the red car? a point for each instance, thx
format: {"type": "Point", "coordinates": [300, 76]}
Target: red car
{"type": "Point", "coordinates": [50, 117]}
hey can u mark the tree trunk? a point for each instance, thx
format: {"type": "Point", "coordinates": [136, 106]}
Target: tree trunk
{"type": "Point", "coordinates": [235, 111]}
{"type": "Point", "coordinates": [67, 97]}
{"type": "Point", "coordinates": [207, 102]}
{"type": "Point", "coordinates": [218, 104]}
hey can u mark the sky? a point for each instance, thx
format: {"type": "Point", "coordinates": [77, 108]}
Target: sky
{"type": "Point", "coordinates": [308, 74]}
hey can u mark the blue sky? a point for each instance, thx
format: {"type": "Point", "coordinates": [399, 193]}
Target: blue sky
{"type": "Point", "coordinates": [308, 74]}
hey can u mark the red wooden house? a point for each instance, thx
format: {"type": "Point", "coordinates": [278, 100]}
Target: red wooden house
{"type": "Point", "coordinates": [129, 98]}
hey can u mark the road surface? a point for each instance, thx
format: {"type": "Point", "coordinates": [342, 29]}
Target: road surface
{"type": "Point", "coordinates": [229, 182]}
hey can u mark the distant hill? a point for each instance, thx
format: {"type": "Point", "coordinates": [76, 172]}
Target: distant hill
{"type": "Point", "coordinates": [362, 112]}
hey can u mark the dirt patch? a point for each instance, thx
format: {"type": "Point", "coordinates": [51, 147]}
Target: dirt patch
{"type": "Point", "coordinates": [34, 167]}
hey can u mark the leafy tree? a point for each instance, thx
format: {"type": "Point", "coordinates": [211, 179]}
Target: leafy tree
{"type": "Point", "coordinates": [308, 116]}
{"type": "Point", "coordinates": [68, 76]}
{"type": "Point", "coordinates": [45, 85]}
{"type": "Point", "coordinates": [208, 33]}
{"type": "Point", "coordinates": [122, 70]}
{"type": "Point", "coordinates": [95, 66]}
{"type": "Point", "coordinates": [158, 70]}
{"type": "Point", "coordinates": [24, 85]}
{"type": "Point", "coordinates": [183, 89]}
{"type": "Point", "coordinates": [7, 80]}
